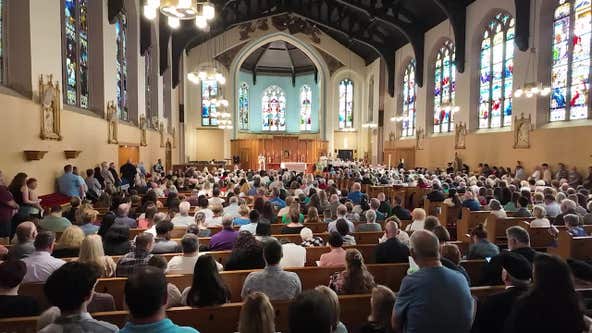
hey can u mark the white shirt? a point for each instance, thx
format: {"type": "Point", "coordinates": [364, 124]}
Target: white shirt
{"type": "Point", "coordinates": [294, 255]}
{"type": "Point", "coordinates": [540, 223]}
{"type": "Point", "coordinates": [332, 226]}
{"type": "Point", "coordinates": [207, 213]}
{"type": "Point", "coordinates": [182, 221]}
{"type": "Point", "coordinates": [215, 201]}
{"type": "Point", "coordinates": [416, 225]}
{"type": "Point", "coordinates": [40, 265]}
{"type": "Point", "coordinates": [185, 265]}
{"type": "Point", "coordinates": [214, 221]}
{"type": "Point", "coordinates": [251, 227]}
{"type": "Point", "coordinates": [232, 210]}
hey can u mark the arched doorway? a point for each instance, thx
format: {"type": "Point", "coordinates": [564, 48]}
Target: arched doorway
{"type": "Point", "coordinates": [168, 156]}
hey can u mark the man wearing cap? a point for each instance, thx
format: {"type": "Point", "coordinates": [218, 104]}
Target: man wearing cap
{"type": "Point", "coordinates": [11, 303]}
{"type": "Point", "coordinates": [493, 311]}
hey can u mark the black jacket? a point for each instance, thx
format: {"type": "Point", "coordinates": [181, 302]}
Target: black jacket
{"type": "Point", "coordinates": [493, 311]}
{"type": "Point", "coordinates": [392, 251]}
{"type": "Point", "coordinates": [401, 213]}
{"type": "Point", "coordinates": [436, 196]}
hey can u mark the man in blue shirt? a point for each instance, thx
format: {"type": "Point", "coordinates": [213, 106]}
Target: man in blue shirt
{"type": "Point", "coordinates": [276, 200]}
{"type": "Point", "coordinates": [434, 298]}
{"type": "Point", "coordinates": [69, 184]}
{"type": "Point", "coordinates": [355, 195]}
{"type": "Point", "coordinates": [146, 298]}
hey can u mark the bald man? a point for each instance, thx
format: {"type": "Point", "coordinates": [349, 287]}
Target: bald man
{"type": "Point", "coordinates": [392, 250]}
{"type": "Point", "coordinates": [434, 292]}
{"type": "Point", "coordinates": [25, 237]}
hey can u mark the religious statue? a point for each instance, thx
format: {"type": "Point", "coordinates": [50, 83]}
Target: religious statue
{"type": "Point", "coordinates": [261, 162]}
{"type": "Point", "coordinates": [112, 123]}
{"type": "Point", "coordinates": [522, 128]}
{"type": "Point", "coordinates": [49, 98]}
{"type": "Point", "coordinates": [154, 124]}
{"type": "Point", "coordinates": [143, 125]}
{"type": "Point", "coordinates": [419, 137]}
{"type": "Point", "coordinates": [458, 163]}
{"type": "Point", "coordinates": [162, 134]}
{"type": "Point", "coordinates": [173, 132]}
{"type": "Point", "coordinates": [459, 135]}
{"type": "Point", "coordinates": [392, 136]}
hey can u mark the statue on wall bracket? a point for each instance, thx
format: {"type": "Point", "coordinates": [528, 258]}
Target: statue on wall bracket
{"type": "Point", "coordinates": [522, 128]}
{"type": "Point", "coordinates": [112, 123]}
{"type": "Point", "coordinates": [143, 129]}
{"type": "Point", "coordinates": [460, 134]}
{"type": "Point", "coordinates": [49, 98]}
{"type": "Point", "coordinates": [162, 134]}
{"type": "Point", "coordinates": [173, 134]}
{"type": "Point", "coordinates": [419, 137]}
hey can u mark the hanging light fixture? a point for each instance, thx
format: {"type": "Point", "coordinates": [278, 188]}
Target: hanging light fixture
{"type": "Point", "coordinates": [532, 88]}
{"type": "Point", "coordinates": [181, 10]}
{"type": "Point", "coordinates": [208, 71]}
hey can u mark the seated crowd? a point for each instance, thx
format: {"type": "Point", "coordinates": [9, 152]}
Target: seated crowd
{"type": "Point", "coordinates": [110, 230]}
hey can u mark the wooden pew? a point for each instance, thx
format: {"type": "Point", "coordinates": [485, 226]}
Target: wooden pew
{"type": "Point", "coordinates": [540, 238]}
{"type": "Point", "coordinates": [572, 247]}
{"type": "Point", "coordinates": [433, 208]}
{"type": "Point", "coordinates": [390, 275]}
{"type": "Point", "coordinates": [468, 221]}
{"type": "Point", "coordinates": [496, 227]}
{"type": "Point", "coordinates": [449, 215]}
{"type": "Point", "coordinates": [224, 318]}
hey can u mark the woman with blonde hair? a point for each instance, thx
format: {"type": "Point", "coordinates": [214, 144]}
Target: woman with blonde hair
{"type": "Point", "coordinates": [381, 303]}
{"type": "Point", "coordinates": [91, 252]}
{"type": "Point", "coordinates": [355, 279]}
{"type": "Point", "coordinates": [216, 219]}
{"type": "Point", "coordinates": [334, 300]}
{"type": "Point", "coordinates": [69, 243]}
{"type": "Point", "coordinates": [257, 315]}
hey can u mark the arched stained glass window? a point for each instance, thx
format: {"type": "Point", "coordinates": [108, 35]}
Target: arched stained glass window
{"type": "Point", "coordinates": [209, 94]}
{"type": "Point", "coordinates": [570, 75]}
{"type": "Point", "coordinates": [497, 66]}
{"type": "Point", "coordinates": [444, 88]}
{"type": "Point", "coordinates": [273, 111]}
{"type": "Point", "coordinates": [305, 108]}
{"type": "Point", "coordinates": [121, 38]}
{"type": "Point", "coordinates": [243, 106]}
{"type": "Point", "coordinates": [148, 82]}
{"type": "Point", "coordinates": [346, 104]}
{"type": "Point", "coordinates": [75, 44]}
{"type": "Point", "coordinates": [409, 89]}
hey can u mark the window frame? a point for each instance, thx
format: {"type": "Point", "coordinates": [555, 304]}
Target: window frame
{"type": "Point", "coordinates": [345, 127]}
{"type": "Point", "coordinates": [438, 63]}
{"type": "Point", "coordinates": [409, 72]}
{"type": "Point", "coordinates": [77, 33]}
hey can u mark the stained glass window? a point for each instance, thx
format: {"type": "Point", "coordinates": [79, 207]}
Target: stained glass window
{"type": "Point", "coordinates": [570, 74]}
{"type": "Point", "coordinates": [346, 104]}
{"type": "Point", "coordinates": [76, 53]}
{"type": "Point", "coordinates": [121, 37]}
{"type": "Point", "coordinates": [497, 67]}
{"type": "Point", "coordinates": [209, 94]}
{"type": "Point", "coordinates": [305, 108]}
{"type": "Point", "coordinates": [274, 109]}
{"type": "Point", "coordinates": [409, 90]}
{"type": "Point", "coordinates": [444, 88]}
{"type": "Point", "coordinates": [371, 100]}
{"type": "Point", "coordinates": [243, 106]}
{"type": "Point", "coordinates": [148, 82]}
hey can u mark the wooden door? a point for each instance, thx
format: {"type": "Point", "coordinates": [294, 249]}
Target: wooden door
{"type": "Point", "coordinates": [408, 156]}
{"type": "Point", "coordinates": [127, 152]}
{"type": "Point", "coordinates": [244, 154]}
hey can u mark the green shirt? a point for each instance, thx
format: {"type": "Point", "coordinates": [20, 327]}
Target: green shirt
{"type": "Point", "coordinates": [286, 219]}
{"type": "Point", "coordinates": [54, 223]}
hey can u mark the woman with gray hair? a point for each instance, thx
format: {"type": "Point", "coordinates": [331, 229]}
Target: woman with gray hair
{"type": "Point", "coordinates": [309, 239]}
{"type": "Point", "coordinates": [540, 221]}
{"type": "Point", "coordinates": [497, 209]}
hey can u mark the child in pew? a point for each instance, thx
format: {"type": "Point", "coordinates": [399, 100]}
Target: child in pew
{"type": "Point", "coordinates": [382, 303]}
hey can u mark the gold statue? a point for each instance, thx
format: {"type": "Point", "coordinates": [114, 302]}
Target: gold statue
{"type": "Point", "coordinates": [143, 125]}
{"type": "Point", "coordinates": [459, 135]}
{"type": "Point", "coordinates": [112, 122]}
{"type": "Point", "coordinates": [522, 128]}
{"type": "Point", "coordinates": [49, 98]}
{"type": "Point", "coordinates": [419, 137]}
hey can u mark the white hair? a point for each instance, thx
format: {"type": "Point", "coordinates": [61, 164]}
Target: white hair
{"type": "Point", "coordinates": [184, 207]}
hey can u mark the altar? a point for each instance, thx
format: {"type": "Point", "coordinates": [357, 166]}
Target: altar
{"type": "Point", "coordinates": [290, 152]}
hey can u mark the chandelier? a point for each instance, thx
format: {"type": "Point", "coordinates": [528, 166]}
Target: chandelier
{"type": "Point", "coordinates": [224, 120]}
{"type": "Point", "coordinates": [531, 89]}
{"type": "Point", "coordinates": [206, 73]}
{"type": "Point", "coordinates": [177, 10]}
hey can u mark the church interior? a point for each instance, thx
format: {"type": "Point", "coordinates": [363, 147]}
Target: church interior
{"type": "Point", "coordinates": [385, 97]}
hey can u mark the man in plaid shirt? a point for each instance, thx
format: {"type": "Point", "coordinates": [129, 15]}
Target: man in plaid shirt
{"type": "Point", "coordinates": [130, 262]}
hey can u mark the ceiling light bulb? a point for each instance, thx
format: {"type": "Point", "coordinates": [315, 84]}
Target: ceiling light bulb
{"type": "Point", "coordinates": [201, 22]}
{"type": "Point", "coordinates": [184, 4]}
{"type": "Point", "coordinates": [529, 94]}
{"type": "Point", "coordinates": [535, 90]}
{"type": "Point", "coordinates": [221, 79]}
{"type": "Point", "coordinates": [149, 12]}
{"type": "Point", "coordinates": [546, 91]}
{"type": "Point", "coordinates": [209, 11]}
{"type": "Point", "coordinates": [153, 3]}
{"type": "Point", "coordinates": [518, 93]}
{"type": "Point", "coordinates": [174, 22]}
{"type": "Point", "coordinates": [202, 75]}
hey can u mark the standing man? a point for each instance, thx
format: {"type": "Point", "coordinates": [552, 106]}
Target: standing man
{"type": "Point", "coordinates": [69, 184]}
{"type": "Point", "coordinates": [128, 172]}
{"type": "Point", "coordinates": [158, 168]}
{"type": "Point", "coordinates": [433, 292]}
{"type": "Point", "coordinates": [114, 174]}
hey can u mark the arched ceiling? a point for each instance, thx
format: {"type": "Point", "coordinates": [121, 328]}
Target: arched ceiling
{"type": "Point", "coordinates": [370, 28]}
{"type": "Point", "coordinates": [278, 57]}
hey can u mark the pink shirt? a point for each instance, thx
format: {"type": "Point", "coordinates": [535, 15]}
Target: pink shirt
{"type": "Point", "coordinates": [335, 258]}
